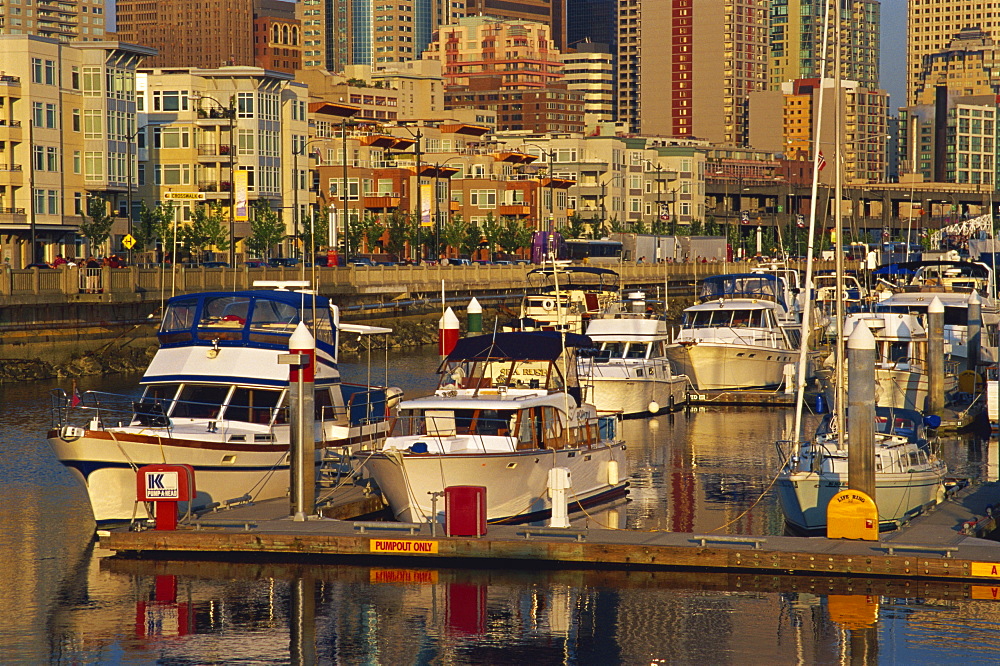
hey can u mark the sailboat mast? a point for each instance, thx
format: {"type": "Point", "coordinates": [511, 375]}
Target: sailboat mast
{"type": "Point", "coordinates": [840, 385]}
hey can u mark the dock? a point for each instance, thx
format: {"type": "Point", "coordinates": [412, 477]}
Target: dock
{"type": "Point", "coordinates": [760, 398]}
{"type": "Point", "coordinates": [932, 547]}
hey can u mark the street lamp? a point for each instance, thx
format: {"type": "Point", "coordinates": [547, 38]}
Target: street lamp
{"type": "Point", "coordinates": [228, 112]}
{"type": "Point", "coordinates": [131, 140]}
{"type": "Point", "coordinates": [551, 155]}
{"type": "Point", "coordinates": [447, 173]}
{"type": "Point", "coordinates": [417, 136]}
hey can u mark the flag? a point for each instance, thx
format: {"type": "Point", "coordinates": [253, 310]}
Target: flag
{"type": "Point", "coordinates": [75, 399]}
{"type": "Point", "coordinates": [820, 161]}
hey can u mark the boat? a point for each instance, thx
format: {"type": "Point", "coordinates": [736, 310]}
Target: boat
{"type": "Point", "coordinates": [215, 397]}
{"type": "Point", "coordinates": [629, 369]}
{"type": "Point", "coordinates": [855, 298]}
{"type": "Point", "coordinates": [901, 378]}
{"type": "Point", "coordinates": [951, 282]}
{"type": "Point", "coordinates": [563, 297]}
{"type": "Point", "coordinates": [908, 475]}
{"type": "Point", "coordinates": [732, 338]}
{"type": "Point", "coordinates": [509, 407]}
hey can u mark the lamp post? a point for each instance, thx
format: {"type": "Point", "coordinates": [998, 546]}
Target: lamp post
{"type": "Point", "coordinates": [659, 186]}
{"type": "Point", "coordinates": [437, 200]}
{"type": "Point", "coordinates": [132, 138]}
{"type": "Point", "coordinates": [230, 113]}
{"type": "Point", "coordinates": [417, 136]}
{"type": "Point", "coordinates": [551, 155]}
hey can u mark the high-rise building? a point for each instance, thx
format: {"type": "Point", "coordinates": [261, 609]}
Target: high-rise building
{"type": "Point", "coordinates": [550, 12]}
{"type": "Point", "coordinates": [590, 21]}
{"type": "Point", "coordinates": [78, 20]}
{"type": "Point", "coordinates": [338, 33]}
{"type": "Point", "coordinates": [209, 34]}
{"type": "Point", "coordinates": [589, 71]}
{"type": "Point", "coordinates": [797, 41]}
{"type": "Point", "coordinates": [685, 68]}
{"type": "Point", "coordinates": [931, 26]}
{"type": "Point", "coordinates": [277, 39]}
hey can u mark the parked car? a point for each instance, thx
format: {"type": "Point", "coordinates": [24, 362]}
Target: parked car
{"type": "Point", "coordinates": [278, 262]}
{"type": "Point", "coordinates": [361, 261]}
{"type": "Point", "coordinates": [254, 263]}
{"type": "Point", "coordinates": [215, 264]}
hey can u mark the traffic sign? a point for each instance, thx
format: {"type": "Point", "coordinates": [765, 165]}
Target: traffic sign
{"type": "Point", "coordinates": [191, 196]}
{"type": "Point", "coordinates": [128, 242]}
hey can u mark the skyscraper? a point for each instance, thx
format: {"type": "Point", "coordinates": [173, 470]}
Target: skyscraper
{"type": "Point", "coordinates": [685, 68]}
{"type": "Point", "coordinates": [550, 12]}
{"type": "Point", "coordinates": [797, 41]}
{"type": "Point", "coordinates": [81, 21]}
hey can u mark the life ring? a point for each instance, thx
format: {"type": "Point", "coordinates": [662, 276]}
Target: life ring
{"type": "Point", "coordinates": [548, 304]}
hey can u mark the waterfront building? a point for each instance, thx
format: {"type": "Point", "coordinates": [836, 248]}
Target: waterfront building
{"type": "Point", "coordinates": [277, 36]}
{"type": "Point", "coordinates": [67, 122]}
{"type": "Point", "coordinates": [75, 21]}
{"type": "Point", "coordinates": [685, 69]}
{"type": "Point", "coordinates": [206, 130]}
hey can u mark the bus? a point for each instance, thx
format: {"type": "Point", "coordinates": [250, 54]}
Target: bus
{"type": "Point", "coordinates": [598, 252]}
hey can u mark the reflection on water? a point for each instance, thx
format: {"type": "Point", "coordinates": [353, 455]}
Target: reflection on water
{"type": "Point", "coordinates": [700, 471]}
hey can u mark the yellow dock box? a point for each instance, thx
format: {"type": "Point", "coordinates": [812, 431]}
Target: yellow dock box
{"type": "Point", "coordinates": [852, 514]}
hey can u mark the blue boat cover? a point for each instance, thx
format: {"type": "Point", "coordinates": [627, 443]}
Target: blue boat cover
{"type": "Point", "coordinates": [516, 346]}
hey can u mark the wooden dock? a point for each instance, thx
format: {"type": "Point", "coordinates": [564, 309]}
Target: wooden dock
{"type": "Point", "coordinates": [773, 398]}
{"type": "Point", "coordinates": [932, 547]}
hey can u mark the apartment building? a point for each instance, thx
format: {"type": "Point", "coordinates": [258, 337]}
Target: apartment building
{"type": "Point", "coordinates": [61, 20]}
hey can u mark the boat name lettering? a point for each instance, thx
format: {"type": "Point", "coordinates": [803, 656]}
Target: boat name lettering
{"type": "Point", "coordinates": [537, 372]}
{"type": "Point", "coordinates": [403, 546]}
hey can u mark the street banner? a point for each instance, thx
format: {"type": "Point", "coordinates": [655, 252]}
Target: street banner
{"type": "Point", "coordinates": [242, 212]}
{"type": "Point", "coordinates": [426, 195]}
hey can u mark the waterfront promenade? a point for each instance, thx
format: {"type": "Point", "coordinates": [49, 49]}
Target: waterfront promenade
{"type": "Point", "coordinates": [137, 285]}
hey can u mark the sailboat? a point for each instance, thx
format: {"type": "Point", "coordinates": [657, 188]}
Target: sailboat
{"type": "Point", "coordinates": [907, 475]}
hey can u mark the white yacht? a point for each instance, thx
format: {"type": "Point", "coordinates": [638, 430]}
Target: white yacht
{"type": "Point", "coordinates": [565, 298]}
{"type": "Point", "coordinates": [629, 370]}
{"type": "Point", "coordinates": [732, 337]}
{"type": "Point", "coordinates": [901, 378]}
{"type": "Point", "coordinates": [908, 475]}
{"type": "Point", "coordinates": [215, 397]}
{"type": "Point", "coordinates": [952, 282]}
{"type": "Point", "coordinates": [509, 408]}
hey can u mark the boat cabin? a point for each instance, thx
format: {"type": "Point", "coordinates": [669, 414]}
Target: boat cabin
{"type": "Point", "coordinates": [759, 286]}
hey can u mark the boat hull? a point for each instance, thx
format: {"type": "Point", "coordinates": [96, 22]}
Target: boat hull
{"type": "Point", "coordinates": [905, 389]}
{"type": "Point", "coordinates": [715, 366]}
{"type": "Point", "coordinates": [515, 483]}
{"type": "Point", "coordinates": [805, 495]}
{"type": "Point", "coordinates": [634, 396]}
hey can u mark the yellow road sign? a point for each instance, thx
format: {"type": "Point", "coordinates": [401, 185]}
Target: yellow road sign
{"type": "Point", "coordinates": [195, 196]}
{"type": "Point", "coordinates": [128, 242]}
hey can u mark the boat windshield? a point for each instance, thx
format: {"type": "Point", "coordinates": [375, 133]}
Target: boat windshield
{"type": "Point", "coordinates": [616, 350]}
{"type": "Point", "coordinates": [747, 285]}
{"type": "Point", "coordinates": [212, 401]}
{"type": "Point", "coordinates": [953, 316]}
{"type": "Point", "coordinates": [752, 318]}
{"type": "Point", "coordinates": [242, 316]}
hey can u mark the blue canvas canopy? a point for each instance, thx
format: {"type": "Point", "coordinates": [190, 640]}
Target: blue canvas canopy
{"type": "Point", "coordinates": [517, 346]}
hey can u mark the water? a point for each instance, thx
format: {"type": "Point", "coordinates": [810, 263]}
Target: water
{"type": "Point", "coordinates": [63, 600]}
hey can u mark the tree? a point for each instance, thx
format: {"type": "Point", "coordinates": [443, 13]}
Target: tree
{"type": "Point", "coordinates": [95, 224]}
{"type": "Point", "coordinates": [639, 227]}
{"type": "Point", "coordinates": [473, 236]}
{"type": "Point", "coordinates": [575, 227]}
{"type": "Point", "coordinates": [266, 229]}
{"type": "Point", "coordinates": [513, 236]}
{"type": "Point", "coordinates": [659, 227]}
{"type": "Point", "coordinates": [695, 228]}
{"type": "Point", "coordinates": [492, 230]}
{"type": "Point", "coordinates": [154, 224]}
{"type": "Point", "coordinates": [617, 227]}
{"type": "Point", "coordinates": [206, 229]}
{"type": "Point", "coordinates": [371, 230]}
{"type": "Point", "coordinates": [315, 231]}
{"type": "Point", "coordinates": [400, 228]}
{"type": "Point", "coordinates": [453, 232]}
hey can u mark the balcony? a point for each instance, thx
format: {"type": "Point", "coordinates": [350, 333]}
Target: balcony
{"type": "Point", "coordinates": [10, 130]}
{"type": "Point", "coordinates": [11, 175]}
{"type": "Point", "coordinates": [515, 210]}
{"type": "Point", "coordinates": [10, 82]}
{"type": "Point", "coordinates": [210, 186]}
{"type": "Point", "coordinates": [388, 201]}
{"type": "Point", "coordinates": [211, 152]}
{"type": "Point", "coordinates": [13, 216]}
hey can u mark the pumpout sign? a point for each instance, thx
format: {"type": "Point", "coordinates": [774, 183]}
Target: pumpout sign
{"type": "Point", "coordinates": [404, 546]}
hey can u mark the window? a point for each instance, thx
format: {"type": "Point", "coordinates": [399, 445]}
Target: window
{"type": "Point", "coordinates": [93, 165]}
{"type": "Point", "coordinates": [171, 137]}
{"type": "Point", "coordinates": [50, 116]}
{"type": "Point", "coordinates": [170, 100]}
{"type": "Point", "coordinates": [352, 188]}
{"type": "Point", "coordinates": [51, 158]}
{"type": "Point", "coordinates": [93, 124]}
{"type": "Point", "coordinates": [37, 114]}
{"type": "Point", "coordinates": [50, 72]}
{"type": "Point", "coordinates": [172, 174]}
{"type": "Point", "coordinates": [483, 198]}
{"type": "Point", "coordinates": [53, 202]}
{"type": "Point", "coordinates": [38, 158]}
{"type": "Point", "coordinates": [244, 105]}
{"type": "Point", "coordinates": [245, 141]}
{"type": "Point", "coordinates": [92, 81]}
{"type": "Point", "coordinates": [77, 123]}
{"type": "Point", "coordinates": [77, 161]}
{"type": "Point", "coordinates": [40, 202]}
{"type": "Point", "coordinates": [36, 70]}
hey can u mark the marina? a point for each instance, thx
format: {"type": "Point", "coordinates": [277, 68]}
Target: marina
{"type": "Point", "coordinates": [687, 476]}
